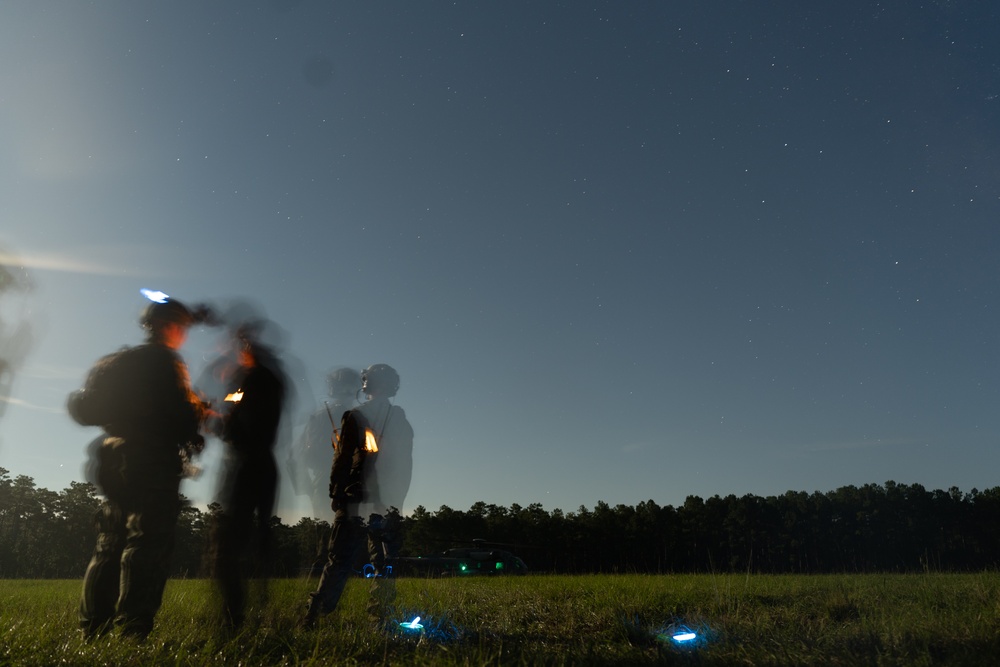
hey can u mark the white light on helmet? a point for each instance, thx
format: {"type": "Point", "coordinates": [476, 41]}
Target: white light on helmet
{"type": "Point", "coordinates": [155, 296]}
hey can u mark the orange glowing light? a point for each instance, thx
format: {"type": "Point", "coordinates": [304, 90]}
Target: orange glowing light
{"type": "Point", "coordinates": [371, 446]}
{"type": "Point", "coordinates": [235, 397]}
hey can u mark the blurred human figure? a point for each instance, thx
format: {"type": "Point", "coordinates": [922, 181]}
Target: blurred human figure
{"type": "Point", "coordinates": [309, 461]}
{"type": "Point", "coordinates": [249, 482]}
{"type": "Point", "coordinates": [394, 465]}
{"type": "Point", "coordinates": [371, 465]}
{"type": "Point", "coordinates": [314, 448]}
{"type": "Point", "coordinates": [142, 399]}
{"type": "Point", "coordinates": [15, 340]}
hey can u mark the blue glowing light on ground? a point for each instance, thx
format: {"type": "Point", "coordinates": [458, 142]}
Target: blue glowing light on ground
{"type": "Point", "coordinates": [432, 629]}
{"type": "Point", "coordinates": [681, 636]}
{"type": "Point", "coordinates": [412, 625]}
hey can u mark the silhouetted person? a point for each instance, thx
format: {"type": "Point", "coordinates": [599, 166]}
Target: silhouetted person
{"type": "Point", "coordinates": [141, 397]}
{"type": "Point", "coordinates": [394, 463]}
{"type": "Point", "coordinates": [314, 448]}
{"type": "Point", "coordinates": [250, 475]}
{"type": "Point", "coordinates": [372, 464]}
{"type": "Point", "coordinates": [309, 461]}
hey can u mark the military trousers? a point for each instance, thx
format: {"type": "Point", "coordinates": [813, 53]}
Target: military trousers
{"type": "Point", "coordinates": [348, 537]}
{"type": "Point", "coordinates": [128, 571]}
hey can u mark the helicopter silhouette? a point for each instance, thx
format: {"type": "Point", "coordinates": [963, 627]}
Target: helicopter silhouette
{"type": "Point", "coordinates": [482, 558]}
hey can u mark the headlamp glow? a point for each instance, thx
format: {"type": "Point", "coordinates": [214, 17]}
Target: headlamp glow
{"type": "Point", "coordinates": [155, 295]}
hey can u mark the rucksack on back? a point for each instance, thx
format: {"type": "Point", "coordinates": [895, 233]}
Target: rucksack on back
{"type": "Point", "coordinates": [108, 395]}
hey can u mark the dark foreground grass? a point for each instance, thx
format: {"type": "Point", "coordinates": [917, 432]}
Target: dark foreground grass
{"type": "Point", "coordinates": [932, 619]}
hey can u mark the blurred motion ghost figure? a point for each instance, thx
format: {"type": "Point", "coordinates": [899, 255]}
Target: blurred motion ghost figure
{"type": "Point", "coordinates": [371, 468]}
{"type": "Point", "coordinates": [15, 323]}
{"type": "Point", "coordinates": [313, 451]}
{"type": "Point", "coordinates": [393, 467]}
{"type": "Point", "coordinates": [309, 461]}
{"type": "Point", "coordinates": [142, 399]}
{"type": "Point", "coordinates": [248, 424]}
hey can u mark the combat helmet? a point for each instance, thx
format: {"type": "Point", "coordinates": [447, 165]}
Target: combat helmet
{"type": "Point", "coordinates": [381, 379]}
{"type": "Point", "coordinates": [170, 311]}
{"type": "Point", "coordinates": [343, 381]}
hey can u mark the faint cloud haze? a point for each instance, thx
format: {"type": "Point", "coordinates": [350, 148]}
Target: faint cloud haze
{"type": "Point", "coordinates": [859, 444]}
{"type": "Point", "coordinates": [104, 260]}
{"type": "Point", "coordinates": [10, 400]}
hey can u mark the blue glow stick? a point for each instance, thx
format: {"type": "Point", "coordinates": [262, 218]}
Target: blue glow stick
{"type": "Point", "coordinates": [412, 625]}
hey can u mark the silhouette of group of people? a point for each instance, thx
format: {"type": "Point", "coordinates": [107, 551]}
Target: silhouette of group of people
{"type": "Point", "coordinates": [355, 455]}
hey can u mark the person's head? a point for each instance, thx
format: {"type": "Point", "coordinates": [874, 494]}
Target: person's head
{"type": "Point", "coordinates": [245, 355]}
{"type": "Point", "coordinates": [167, 323]}
{"type": "Point", "coordinates": [379, 381]}
{"type": "Point", "coordinates": [343, 382]}
{"type": "Point", "coordinates": [250, 351]}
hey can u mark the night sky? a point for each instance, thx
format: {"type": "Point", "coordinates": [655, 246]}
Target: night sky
{"type": "Point", "coordinates": [616, 251]}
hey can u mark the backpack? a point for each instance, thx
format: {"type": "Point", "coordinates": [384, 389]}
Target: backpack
{"type": "Point", "coordinates": [355, 450]}
{"type": "Point", "coordinates": [107, 395]}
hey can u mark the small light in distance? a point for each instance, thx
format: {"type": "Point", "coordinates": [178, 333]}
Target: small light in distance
{"type": "Point", "coordinates": [682, 637]}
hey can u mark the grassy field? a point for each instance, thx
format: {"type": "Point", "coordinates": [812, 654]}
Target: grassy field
{"type": "Point", "coordinates": [931, 619]}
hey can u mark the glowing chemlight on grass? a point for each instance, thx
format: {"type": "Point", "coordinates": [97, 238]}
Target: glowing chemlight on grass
{"type": "Point", "coordinates": [369, 572]}
{"type": "Point", "coordinates": [412, 625]}
{"type": "Point", "coordinates": [681, 635]}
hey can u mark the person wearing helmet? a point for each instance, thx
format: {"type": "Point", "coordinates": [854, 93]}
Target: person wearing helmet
{"type": "Point", "coordinates": [313, 451]}
{"type": "Point", "coordinates": [309, 461]}
{"type": "Point", "coordinates": [393, 468]}
{"type": "Point", "coordinates": [140, 396]}
{"type": "Point", "coordinates": [371, 468]}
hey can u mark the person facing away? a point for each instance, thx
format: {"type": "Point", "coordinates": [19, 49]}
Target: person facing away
{"type": "Point", "coordinates": [313, 450]}
{"type": "Point", "coordinates": [142, 399]}
{"type": "Point", "coordinates": [372, 464]}
{"type": "Point", "coordinates": [249, 481]}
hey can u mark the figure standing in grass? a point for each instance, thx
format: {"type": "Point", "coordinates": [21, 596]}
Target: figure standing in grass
{"type": "Point", "coordinates": [142, 399]}
{"type": "Point", "coordinates": [314, 448]}
{"type": "Point", "coordinates": [309, 463]}
{"type": "Point", "coordinates": [250, 475]}
{"type": "Point", "coordinates": [372, 463]}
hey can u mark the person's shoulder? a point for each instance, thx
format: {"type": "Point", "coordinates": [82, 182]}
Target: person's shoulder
{"type": "Point", "coordinates": [357, 417]}
{"type": "Point", "coordinates": [399, 424]}
{"type": "Point", "coordinates": [273, 375]}
{"type": "Point", "coordinates": [148, 350]}
{"type": "Point", "coordinates": [156, 351]}
{"type": "Point", "coordinates": [150, 357]}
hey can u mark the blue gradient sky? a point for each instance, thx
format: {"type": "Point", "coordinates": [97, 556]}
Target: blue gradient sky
{"type": "Point", "coordinates": [616, 251]}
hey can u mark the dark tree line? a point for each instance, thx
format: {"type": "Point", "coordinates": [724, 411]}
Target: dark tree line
{"type": "Point", "coordinates": [872, 528]}
{"type": "Point", "coordinates": [875, 527]}
{"type": "Point", "coordinates": [44, 534]}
